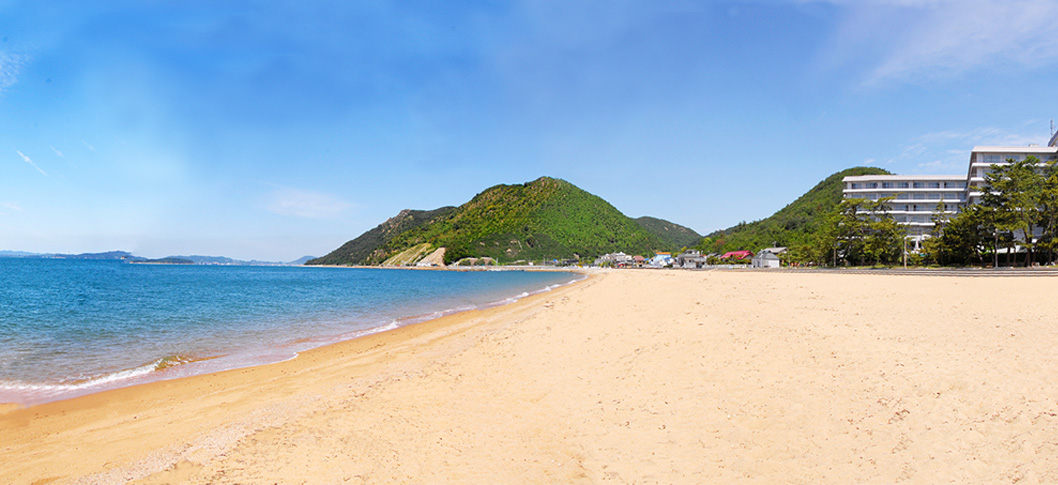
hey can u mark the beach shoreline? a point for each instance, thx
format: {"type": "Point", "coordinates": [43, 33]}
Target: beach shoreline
{"type": "Point", "coordinates": [630, 376]}
{"type": "Point", "coordinates": [50, 418]}
{"type": "Point", "coordinates": [158, 347]}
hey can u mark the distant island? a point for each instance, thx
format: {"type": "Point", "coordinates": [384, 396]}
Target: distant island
{"type": "Point", "coordinates": [131, 258]}
{"type": "Point", "coordinates": [168, 260]}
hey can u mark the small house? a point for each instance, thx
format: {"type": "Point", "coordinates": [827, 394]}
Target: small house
{"type": "Point", "coordinates": [690, 259]}
{"type": "Point", "coordinates": [768, 258]}
{"type": "Point", "coordinates": [661, 260]}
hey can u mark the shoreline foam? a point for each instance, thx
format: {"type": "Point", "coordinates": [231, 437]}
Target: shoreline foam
{"type": "Point", "coordinates": [26, 394]}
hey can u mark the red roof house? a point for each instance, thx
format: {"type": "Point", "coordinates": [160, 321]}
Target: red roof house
{"type": "Point", "coordinates": [737, 254]}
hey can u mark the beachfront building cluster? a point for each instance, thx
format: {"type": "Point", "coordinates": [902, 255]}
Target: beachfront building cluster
{"type": "Point", "coordinates": [915, 198]}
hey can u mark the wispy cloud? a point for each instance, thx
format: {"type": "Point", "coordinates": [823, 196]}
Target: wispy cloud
{"type": "Point", "coordinates": [906, 40]}
{"type": "Point", "coordinates": [27, 160]}
{"type": "Point", "coordinates": [10, 67]}
{"type": "Point", "coordinates": [949, 151]}
{"type": "Point", "coordinates": [57, 152]}
{"type": "Point", "coordinates": [89, 146]}
{"type": "Point", "coordinates": [306, 204]}
{"type": "Point", "coordinates": [10, 206]}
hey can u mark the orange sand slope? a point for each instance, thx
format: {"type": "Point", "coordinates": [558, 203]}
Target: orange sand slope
{"type": "Point", "coordinates": [634, 376]}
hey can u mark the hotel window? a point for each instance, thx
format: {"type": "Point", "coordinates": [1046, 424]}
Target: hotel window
{"type": "Point", "coordinates": [992, 158]}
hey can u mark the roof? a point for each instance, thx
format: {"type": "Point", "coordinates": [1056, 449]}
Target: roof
{"type": "Point", "coordinates": [737, 254]}
{"type": "Point", "coordinates": [773, 250]}
{"type": "Point", "coordinates": [908, 178]}
{"type": "Point", "coordinates": [1032, 149]}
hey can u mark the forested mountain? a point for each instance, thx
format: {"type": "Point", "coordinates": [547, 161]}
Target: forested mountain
{"type": "Point", "coordinates": [673, 235]}
{"type": "Point", "coordinates": [544, 219]}
{"type": "Point", "coordinates": [792, 225]}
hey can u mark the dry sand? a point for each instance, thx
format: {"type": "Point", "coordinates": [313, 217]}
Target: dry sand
{"type": "Point", "coordinates": [631, 376]}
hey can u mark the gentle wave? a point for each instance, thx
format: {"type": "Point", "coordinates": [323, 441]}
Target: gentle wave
{"type": "Point", "coordinates": [174, 366]}
{"type": "Point", "coordinates": [103, 380]}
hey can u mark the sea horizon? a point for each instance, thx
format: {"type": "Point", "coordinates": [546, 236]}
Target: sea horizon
{"type": "Point", "coordinates": [76, 327]}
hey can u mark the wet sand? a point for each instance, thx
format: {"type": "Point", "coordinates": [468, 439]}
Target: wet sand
{"type": "Point", "coordinates": [631, 376]}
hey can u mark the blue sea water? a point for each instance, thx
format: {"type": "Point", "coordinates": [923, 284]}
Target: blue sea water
{"type": "Point", "coordinates": [71, 327]}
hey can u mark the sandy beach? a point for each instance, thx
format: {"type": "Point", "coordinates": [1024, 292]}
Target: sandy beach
{"type": "Point", "coordinates": [628, 377]}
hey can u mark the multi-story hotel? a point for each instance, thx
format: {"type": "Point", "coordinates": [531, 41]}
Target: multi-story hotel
{"type": "Point", "coordinates": [915, 197]}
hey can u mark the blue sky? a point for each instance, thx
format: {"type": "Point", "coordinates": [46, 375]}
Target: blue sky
{"type": "Point", "coordinates": [277, 129]}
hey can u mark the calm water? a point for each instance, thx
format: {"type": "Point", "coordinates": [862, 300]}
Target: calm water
{"type": "Point", "coordinates": [73, 327]}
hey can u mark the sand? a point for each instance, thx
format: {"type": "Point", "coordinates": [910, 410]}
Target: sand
{"type": "Point", "coordinates": [631, 376]}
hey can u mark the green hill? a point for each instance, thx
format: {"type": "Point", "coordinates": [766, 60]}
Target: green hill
{"type": "Point", "coordinates": [792, 225]}
{"type": "Point", "coordinates": [544, 219]}
{"type": "Point", "coordinates": [673, 235]}
{"type": "Point", "coordinates": [370, 246]}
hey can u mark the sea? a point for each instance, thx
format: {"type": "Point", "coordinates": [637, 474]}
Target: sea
{"type": "Point", "coordinates": [74, 327]}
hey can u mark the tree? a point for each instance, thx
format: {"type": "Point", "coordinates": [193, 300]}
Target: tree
{"type": "Point", "coordinates": [932, 250]}
{"type": "Point", "coordinates": [863, 230]}
{"type": "Point", "coordinates": [884, 244]}
{"type": "Point", "coordinates": [1013, 190]}
{"type": "Point", "coordinates": [962, 239]}
{"type": "Point", "coordinates": [1048, 210]}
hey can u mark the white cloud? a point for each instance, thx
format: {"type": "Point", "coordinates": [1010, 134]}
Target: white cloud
{"type": "Point", "coordinates": [27, 160]}
{"type": "Point", "coordinates": [57, 152]}
{"type": "Point", "coordinates": [905, 40]}
{"type": "Point", "coordinates": [306, 204]}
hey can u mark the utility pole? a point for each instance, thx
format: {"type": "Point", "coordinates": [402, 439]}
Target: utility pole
{"type": "Point", "coordinates": [905, 253]}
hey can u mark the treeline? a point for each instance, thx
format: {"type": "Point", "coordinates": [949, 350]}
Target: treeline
{"type": "Point", "coordinates": [1018, 209]}
{"type": "Point", "coordinates": [792, 226]}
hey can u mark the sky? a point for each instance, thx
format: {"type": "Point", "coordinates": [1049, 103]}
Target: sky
{"type": "Point", "coordinates": [276, 129]}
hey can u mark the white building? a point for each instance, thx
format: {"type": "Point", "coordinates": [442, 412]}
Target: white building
{"type": "Point", "coordinates": [915, 197]}
{"type": "Point", "coordinates": [982, 158]}
{"type": "Point", "coordinates": [768, 258]}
